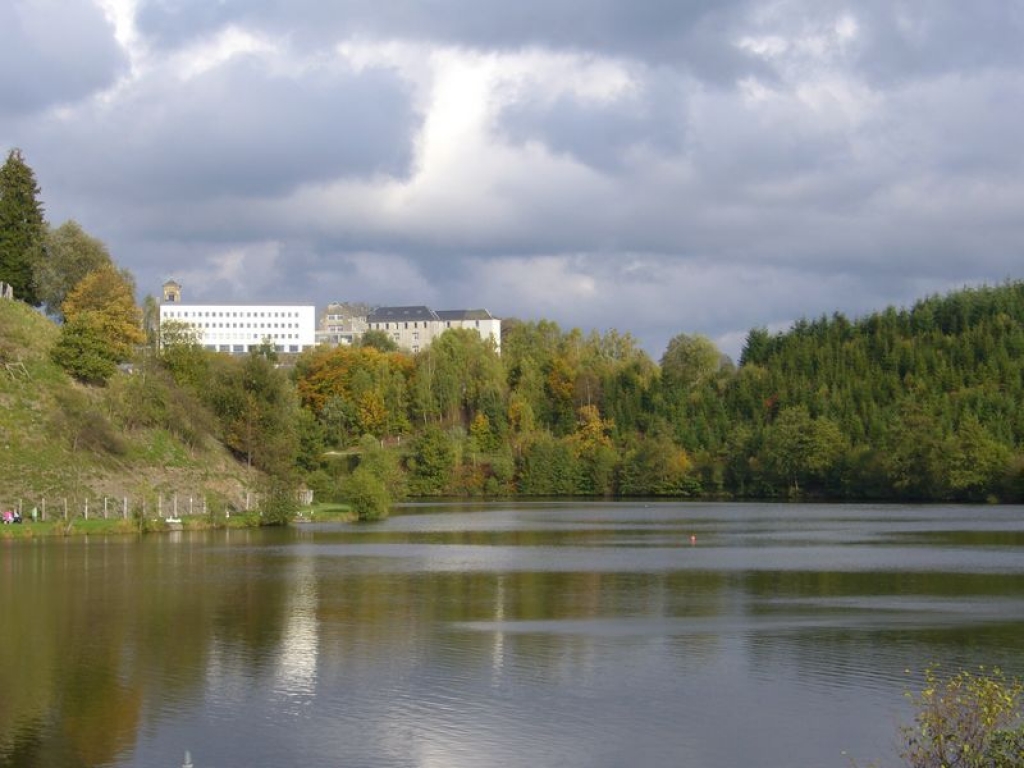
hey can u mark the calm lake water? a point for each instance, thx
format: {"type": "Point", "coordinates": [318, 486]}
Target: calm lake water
{"type": "Point", "coordinates": [583, 634]}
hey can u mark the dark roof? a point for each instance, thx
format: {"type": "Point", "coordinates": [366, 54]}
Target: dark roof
{"type": "Point", "coordinates": [464, 314]}
{"type": "Point", "coordinates": [398, 314]}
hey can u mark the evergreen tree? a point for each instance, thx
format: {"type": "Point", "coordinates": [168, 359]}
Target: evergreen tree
{"type": "Point", "coordinates": [22, 227]}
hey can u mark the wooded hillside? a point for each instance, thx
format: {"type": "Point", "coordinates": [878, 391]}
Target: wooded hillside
{"type": "Point", "coordinates": [914, 404]}
{"type": "Point", "coordinates": [137, 436]}
{"type": "Point", "coordinates": [906, 404]}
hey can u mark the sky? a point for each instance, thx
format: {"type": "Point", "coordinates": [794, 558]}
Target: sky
{"type": "Point", "coordinates": [655, 167]}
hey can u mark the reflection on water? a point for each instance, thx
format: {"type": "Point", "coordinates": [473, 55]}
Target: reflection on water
{"type": "Point", "coordinates": [296, 672]}
{"type": "Point", "coordinates": [525, 635]}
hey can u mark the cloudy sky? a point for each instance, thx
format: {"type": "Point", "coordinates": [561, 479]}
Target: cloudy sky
{"type": "Point", "coordinates": [653, 166]}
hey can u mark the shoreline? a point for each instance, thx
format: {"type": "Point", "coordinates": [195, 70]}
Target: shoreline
{"type": "Point", "coordinates": [28, 529]}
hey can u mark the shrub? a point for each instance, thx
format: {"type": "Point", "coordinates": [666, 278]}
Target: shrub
{"type": "Point", "coordinates": [367, 495]}
{"type": "Point", "coordinates": [1006, 750]}
{"type": "Point", "coordinates": [966, 721]}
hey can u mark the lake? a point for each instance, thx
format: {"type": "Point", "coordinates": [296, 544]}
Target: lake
{"type": "Point", "coordinates": [505, 634]}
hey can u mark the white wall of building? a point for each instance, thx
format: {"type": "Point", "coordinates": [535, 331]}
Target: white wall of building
{"type": "Point", "coordinates": [488, 328]}
{"type": "Point", "coordinates": [415, 328]}
{"type": "Point", "coordinates": [239, 328]}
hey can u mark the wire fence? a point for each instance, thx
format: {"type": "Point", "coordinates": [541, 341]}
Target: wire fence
{"type": "Point", "coordinates": [173, 506]}
{"type": "Point", "coordinates": [164, 506]}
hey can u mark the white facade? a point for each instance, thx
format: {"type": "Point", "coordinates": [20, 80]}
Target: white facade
{"type": "Point", "coordinates": [414, 328]}
{"type": "Point", "coordinates": [238, 329]}
{"type": "Point", "coordinates": [479, 320]}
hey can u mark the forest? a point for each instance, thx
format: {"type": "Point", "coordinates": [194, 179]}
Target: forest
{"type": "Point", "coordinates": [906, 404]}
{"type": "Point", "coordinates": [917, 404]}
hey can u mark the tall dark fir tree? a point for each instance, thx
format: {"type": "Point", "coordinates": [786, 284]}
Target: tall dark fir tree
{"type": "Point", "coordinates": [22, 227]}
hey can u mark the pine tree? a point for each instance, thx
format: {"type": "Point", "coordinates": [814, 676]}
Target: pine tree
{"type": "Point", "coordinates": [22, 227]}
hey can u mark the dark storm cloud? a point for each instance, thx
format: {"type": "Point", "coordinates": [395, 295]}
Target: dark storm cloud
{"type": "Point", "coordinates": [912, 40]}
{"type": "Point", "coordinates": [693, 33]}
{"type": "Point", "coordinates": [601, 134]}
{"type": "Point", "coordinates": [242, 129]}
{"type": "Point", "coordinates": [54, 53]}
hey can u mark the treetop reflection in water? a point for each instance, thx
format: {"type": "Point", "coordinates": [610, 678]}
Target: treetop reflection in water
{"type": "Point", "coordinates": [511, 635]}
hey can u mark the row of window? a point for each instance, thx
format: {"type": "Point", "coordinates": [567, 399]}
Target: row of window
{"type": "Point", "coordinates": [221, 313]}
{"type": "Point", "coordinates": [251, 335]}
{"type": "Point", "coordinates": [415, 324]}
{"type": "Point", "coordinates": [241, 348]}
{"type": "Point", "coordinates": [204, 324]}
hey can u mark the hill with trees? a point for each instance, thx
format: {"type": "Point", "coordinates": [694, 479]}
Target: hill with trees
{"type": "Point", "coordinates": [915, 404]}
{"type": "Point", "coordinates": [903, 405]}
{"type": "Point", "coordinates": [136, 436]}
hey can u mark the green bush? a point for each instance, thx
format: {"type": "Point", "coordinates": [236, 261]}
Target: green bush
{"type": "Point", "coordinates": [367, 495]}
{"type": "Point", "coordinates": [966, 721]}
{"type": "Point", "coordinates": [1006, 750]}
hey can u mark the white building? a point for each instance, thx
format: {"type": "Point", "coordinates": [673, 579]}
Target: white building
{"type": "Point", "coordinates": [413, 328]}
{"type": "Point", "coordinates": [240, 328]}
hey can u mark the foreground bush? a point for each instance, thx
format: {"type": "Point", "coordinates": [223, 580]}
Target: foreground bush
{"type": "Point", "coordinates": [966, 721]}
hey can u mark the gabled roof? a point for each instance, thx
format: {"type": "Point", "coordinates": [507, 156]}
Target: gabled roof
{"type": "Point", "coordinates": [398, 314]}
{"type": "Point", "coordinates": [464, 314]}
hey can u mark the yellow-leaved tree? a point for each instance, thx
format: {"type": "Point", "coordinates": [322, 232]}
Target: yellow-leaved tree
{"type": "Point", "coordinates": [103, 324]}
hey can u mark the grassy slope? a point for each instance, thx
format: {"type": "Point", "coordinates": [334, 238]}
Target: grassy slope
{"type": "Point", "coordinates": [38, 454]}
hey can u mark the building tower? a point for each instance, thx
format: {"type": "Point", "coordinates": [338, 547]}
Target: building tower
{"type": "Point", "coordinates": [172, 292]}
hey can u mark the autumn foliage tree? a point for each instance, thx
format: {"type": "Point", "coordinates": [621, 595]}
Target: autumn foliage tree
{"type": "Point", "coordinates": [102, 325]}
{"type": "Point", "coordinates": [355, 391]}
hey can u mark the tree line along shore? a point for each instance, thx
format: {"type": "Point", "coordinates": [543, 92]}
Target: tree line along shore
{"type": "Point", "coordinates": [905, 404]}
